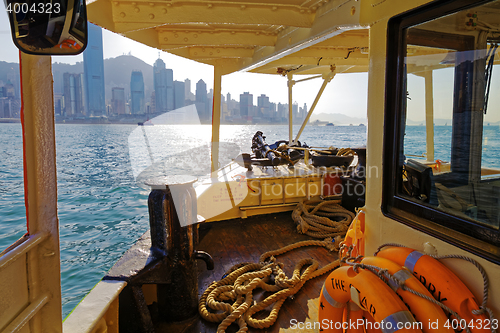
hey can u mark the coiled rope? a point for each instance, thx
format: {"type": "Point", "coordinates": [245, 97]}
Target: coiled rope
{"type": "Point", "coordinates": [313, 218]}
{"type": "Point", "coordinates": [230, 300]}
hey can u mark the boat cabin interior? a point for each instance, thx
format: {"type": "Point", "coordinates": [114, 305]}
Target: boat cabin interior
{"type": "Point", "coordinates": [429, 174]}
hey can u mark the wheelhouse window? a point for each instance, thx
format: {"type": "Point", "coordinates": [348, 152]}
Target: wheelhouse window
{"type": "Point", "coordinates": [443, 122]}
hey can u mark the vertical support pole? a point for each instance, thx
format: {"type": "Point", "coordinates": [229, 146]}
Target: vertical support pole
{"type": "Point", "coordinates": [216, 117]}
{"type": "Point", "coordinates": [467, 135]}
{"type": "Point", "coordinates": [477, 108]}
{"type": "Point", "coordinates": [462, 106]}
{"type": "Point", "coordinates": [429, 114]}
{"type": "Point", "coordinates": [41, 189]}
{"type": "Point", "coordinates": [326, 78]}
{"type": "Point", "coordinates": [290, 108]}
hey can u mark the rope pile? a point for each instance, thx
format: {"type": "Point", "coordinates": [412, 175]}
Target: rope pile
{"type": "Point", "coordinates": [230, 300]}
{"type": "Point", "coordinates": [313, 218]}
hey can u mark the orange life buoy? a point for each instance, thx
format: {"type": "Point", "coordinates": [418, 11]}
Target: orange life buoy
{"type": "Point", "coordinates": [370, 293]}
{"type": "Point", "coordinates": [353, 313]}
{"type": "Point", "coordinates": [69, 44]}
{"type": "Point", "coordinates": [441, 282]}
{"type": "Point", "coordinates": [370, 323]}
{"type": "Point", "coordinates": [424, 311]}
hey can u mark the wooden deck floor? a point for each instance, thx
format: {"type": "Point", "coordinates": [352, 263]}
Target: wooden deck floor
{"type": "Point", "coordinates": [235, 241]}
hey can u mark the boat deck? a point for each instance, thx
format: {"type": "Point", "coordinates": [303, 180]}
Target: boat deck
{"type": "Point", "coordinates": [236, 241]}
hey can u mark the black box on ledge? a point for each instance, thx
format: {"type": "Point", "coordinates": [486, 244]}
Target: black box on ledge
{"type": "Point", "coordinates": [353, 193]}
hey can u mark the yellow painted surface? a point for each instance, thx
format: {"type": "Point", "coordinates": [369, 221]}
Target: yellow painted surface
{"type": "Point", "coordinates": [314, 187]}
{"type": "Point", "coordinates": [31, 287]}
{"type": "Point", "coordinates": [13, 298]}
{"type": "Point", "coordinates": [101, 303]}
{"type": "Point", "coordinates": [241, 35]}
{"type": "Point", "coordinates": [42, 189]}
{"type": "Point", "coordinates": [216, 117]}
{"type": "Point", "coordinates": [295, 189]}
{"type": "Point", "coordinates": [373, 11]}
{"type": "Point", "coordinates": [239, 193]}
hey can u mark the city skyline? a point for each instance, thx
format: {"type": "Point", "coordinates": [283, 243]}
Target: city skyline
{"type": "Point", "coordinates": [232, 111]}
{"type": "Point", "coordinates": [345, 94]}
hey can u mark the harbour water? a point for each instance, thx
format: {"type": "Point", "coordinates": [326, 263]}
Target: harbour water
{"type": "Point", "coordinates": [102, 207]}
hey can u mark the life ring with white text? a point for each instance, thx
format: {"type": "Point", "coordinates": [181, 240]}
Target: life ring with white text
{"type": "Point", "coordinates": [441, 282]}
{"type": "Point", "coordinates": [370, 293]}
{"type": "Point", "coordinates": [423, 310]}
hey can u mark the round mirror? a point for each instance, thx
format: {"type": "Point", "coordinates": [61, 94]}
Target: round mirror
{"type": "Point", "coordinates": [52, 27]}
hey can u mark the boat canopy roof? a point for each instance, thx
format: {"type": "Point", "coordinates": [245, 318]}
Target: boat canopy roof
{"type": "Point", "coordinates": [306, 36]}
{"type": "Point", "coordinates": [265, 36]}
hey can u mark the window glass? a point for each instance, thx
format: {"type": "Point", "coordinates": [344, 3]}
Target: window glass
{"type": "Point", "coordinates": [450, 134]}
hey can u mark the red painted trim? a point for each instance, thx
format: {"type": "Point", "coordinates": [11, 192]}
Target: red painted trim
{"type": "Point", "coordinates": [25, 171]}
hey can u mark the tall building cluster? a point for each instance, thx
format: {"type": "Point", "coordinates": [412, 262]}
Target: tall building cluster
{"type": "Point", "coordinates": [10, 102]}
{"type": "Point", "coordinates": [82, 95]}
{"type": "Point", "coordinates": [245, 112]}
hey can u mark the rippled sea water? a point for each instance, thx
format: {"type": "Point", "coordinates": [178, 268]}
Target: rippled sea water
{"type": "Point", "coordinates": [102, 209]}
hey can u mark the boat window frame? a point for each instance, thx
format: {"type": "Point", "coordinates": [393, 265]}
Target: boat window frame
{"type": "Point", "coordinates": [472, 237]}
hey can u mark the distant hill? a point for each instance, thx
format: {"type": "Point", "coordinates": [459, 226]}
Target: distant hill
{"type": "Point", "coordinates": [117, 72]}
{"type": "Point", "coordinates": [338, 119]}
{"type": "Point", "coordinates": [437, 122]}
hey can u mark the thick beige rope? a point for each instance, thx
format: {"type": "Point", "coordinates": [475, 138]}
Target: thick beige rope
{"type": "Point", "coordinates": [230, 300]}
{"type": "Point", "coordinates": [313, 218]}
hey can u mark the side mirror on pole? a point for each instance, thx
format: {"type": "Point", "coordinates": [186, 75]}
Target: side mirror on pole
{"type": "Point", "coordinates": [51, 27]}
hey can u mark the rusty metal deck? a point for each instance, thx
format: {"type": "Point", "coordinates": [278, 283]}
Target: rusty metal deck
{"type": "Point", "coordinates": [235, 241]}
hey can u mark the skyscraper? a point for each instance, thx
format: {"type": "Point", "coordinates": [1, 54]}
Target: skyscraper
{"type": "Point", "coordinates": [5, 105]}
{"type": "Point", "coordinates": [295, 112]}
{"type": "Point", "coordinates": [187, 90]}
{"type": "Point", "coordinates": [303, 112]}
{"type": "Point", "coordinates": [160, 83]}
{"type": "Point", "coordinates": [179, 94]}
{"type": "Point", "coordinates": [137, 93]}
{"type": "Point", "coordinates": [152, 103]}
{"type": "Point", "coordinates": [170, 89]}
{"type": "Point", "coordinates": [73, 94]}
{"type": "Point", "coordinates": [118, 100]}
{"type": "Point", "coordinates": [246, 104]}
{"type": "Point", "coordinates": [263, 105]}
{"type": "Point", "coordinates": [201, 100]}
{"type": "Point", "coordinates": [282, 112]}
{"type": "Point", "coordinates": [93, 69]}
